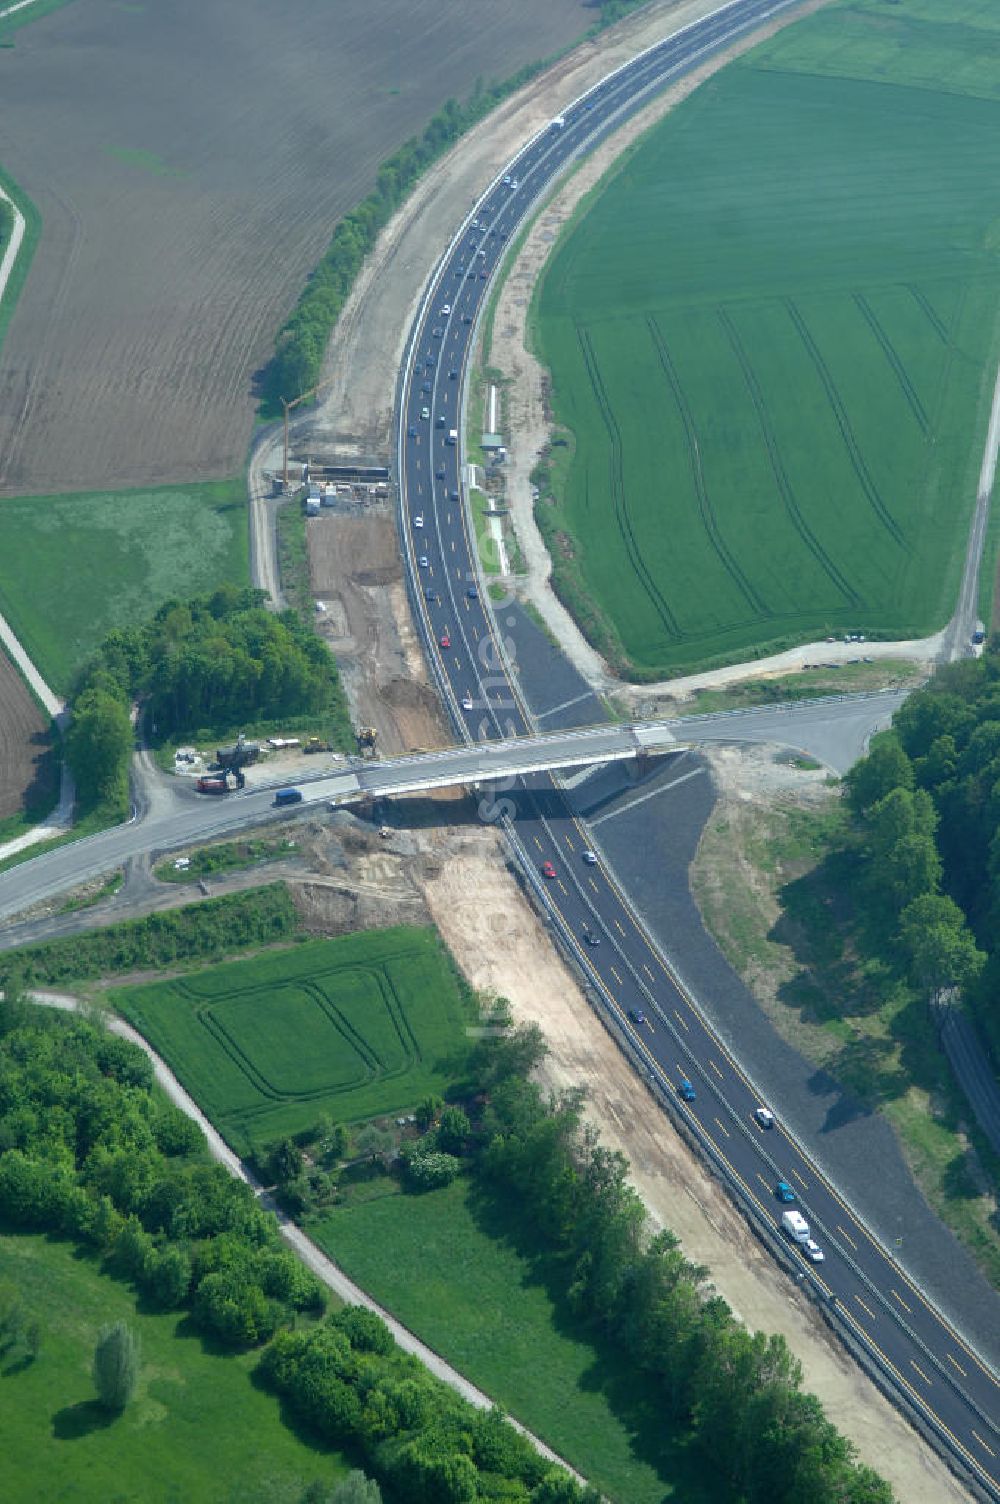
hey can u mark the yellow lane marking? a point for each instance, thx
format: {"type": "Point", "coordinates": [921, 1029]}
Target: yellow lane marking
{"type": "Point", "coordinates": [537, 842]}
{"type": "Point", "coordinates": [723, 1126]}
{"type": "Point", "coordinates": [650, 975]}
{"type": "Point", "coordinates": [562, 887]}
{"type": "Point", "coordinates": [594, 886]}
{"type": "Point", "coordinates": [920, 1371]}
{"type": "Point", "coordinates": [961, 1370]}
{"type": "Point", "coordinates": [682, 1022]}
{"type": "Point", "coordinates": [765, 1183]}
{"type": "Point", "coordinates": [899, 1298]}
{"type": "Point", "coordinates": [619, 928]}
{"type": "Point", "coordinates": [716, 1070]}
{"type": "Point", "coordinates": [803, 1183]}
{"type": "Point", "coordinates": [847, 1237]}
{"type": "Point", "coordinates": [861, 1303]}
{"type": "Point", "coordinates": [569, 843]}
{"type": "Point", "coordinates": [983, 1444]}
{"type": "Point", "coordinates": [617, 977]}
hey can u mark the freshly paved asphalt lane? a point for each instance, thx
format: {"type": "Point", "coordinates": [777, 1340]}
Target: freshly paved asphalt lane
{"type": "Point", "coordinates": [937, 1371]}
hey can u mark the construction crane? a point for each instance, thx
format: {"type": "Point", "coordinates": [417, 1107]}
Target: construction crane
{"type": "Point", "coordinates": [312, 392]}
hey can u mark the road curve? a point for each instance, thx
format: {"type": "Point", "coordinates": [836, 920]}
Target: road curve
{"type": "Point", "coordinates": [936, 1373]}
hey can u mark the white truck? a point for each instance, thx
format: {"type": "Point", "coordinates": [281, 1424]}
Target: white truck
{"type": "Point", "coordinates": [795, 1225]}
{"type": "Point", "coordinates": [452, 436]}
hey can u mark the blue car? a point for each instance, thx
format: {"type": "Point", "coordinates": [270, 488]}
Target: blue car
{"type": "Point", "coordinates": [686, 1090]}
{"type": "Point", "coordinates": [784, 1192]}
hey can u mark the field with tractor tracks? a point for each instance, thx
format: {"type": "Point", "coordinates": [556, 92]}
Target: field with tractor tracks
{"type": "Point", "coordinates": [368, 1023]}
{"type": "Point", "coordinates": [189, 163]}
{"type": "Point", "coordinates": [772, 333]}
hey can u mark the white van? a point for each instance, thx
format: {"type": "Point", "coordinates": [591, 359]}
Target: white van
{"type": "Point", "coordinates": [795, 1225]}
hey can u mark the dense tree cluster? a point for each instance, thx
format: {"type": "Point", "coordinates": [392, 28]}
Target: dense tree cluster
{"type": "Point", "coordinates": [87, 1151]}
{"type": "Point", "coordinates": [210, 663]}
{"type": "Point", "coordinates": [426, 1444]}
{"type": "Point", "coordinates": [927, 799]}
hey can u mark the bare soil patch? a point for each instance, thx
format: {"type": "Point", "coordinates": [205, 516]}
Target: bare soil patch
{"type": "Point", "coordinates": [356, 572]}
{"type": "Point", "coordinates": [27, 774]}
{"type": "Point", "coordinates": [190, 162]}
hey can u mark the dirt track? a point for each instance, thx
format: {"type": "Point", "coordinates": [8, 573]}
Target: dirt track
{"type": "Point", "coordinates": [190, 162]}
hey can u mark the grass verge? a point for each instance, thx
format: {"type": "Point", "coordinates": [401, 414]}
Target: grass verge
{"type": "Point", "coordinates": [465, 1274]}
{"type": "Point", "coordinates": [199, 1428]}
{"type": "Point", "coordinates": [225, 856]}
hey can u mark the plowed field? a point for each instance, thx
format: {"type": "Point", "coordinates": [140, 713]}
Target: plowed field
{"type": "Point", "coordinates": [189, 162]}
{"type": "Point", "coordinates": [26, 775]}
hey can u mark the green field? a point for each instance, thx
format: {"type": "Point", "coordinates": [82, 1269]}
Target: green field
{"type": "Point", "coordinates": [199, 1429]}
{"type": "Point", "coordinates": [74, 567]}
{"type": "Point", "coordinates": [772, 333]}
{"type": "Point", "coordinates": [461, 1273]}
{"type": "Point", "coordinates": [365, 1024]}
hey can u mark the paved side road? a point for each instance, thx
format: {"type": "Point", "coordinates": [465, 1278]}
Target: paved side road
{"type": "Point", "coordinates": [312, 1256]}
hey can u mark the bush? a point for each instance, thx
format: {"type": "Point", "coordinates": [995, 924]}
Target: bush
{"type": "Point", "coordinates": [116, 1366]}
{"type": "Point", "coordinates": [431, 1171]}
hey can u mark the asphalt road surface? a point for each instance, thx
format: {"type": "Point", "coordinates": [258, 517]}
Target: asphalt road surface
{"type": "Point", "coordinates": [940, 1374]}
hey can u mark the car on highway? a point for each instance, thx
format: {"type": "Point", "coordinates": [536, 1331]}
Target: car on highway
{"type": "Point", "coordinates": [784, 1192]}
{"type": "Point", "coordinates": [466, 701]}
{"type": "Point", "coordinates": [445, 640]}
{"type": "Point", "coordinates": [425, 412]}
{"type": "Point", "coordinates": [425, 386]}
{"type": "Point", "coordinates": [467, 318]}
{"type": "Point", "coordinates": [686, 1091]}
{"type": "Point", "coordinates": [437, 331]}
{"type": "Point", "coordinates": [455, 496]}
{"type": "Point", "coordinates": [764, 1117]}
{"type": "Point", "coordinates": [472, 593]}
{"type": "Point", "coordinates": [430, 595]}
{"type": "Point", "coordinates": [445, 310]}
{"type": "Point", "coordinates": [440, 472]}
{"type": "Point", "coordinates": [452, 375]}
{"type": "Point", "coordinates": [424, 562]}
{"type": "Point", "coordinates": [637, 1016]}
{"type": "Point", "coordinates": [418, 520]}
{"type": "Point", "coordinates": [411, 432]}
{"type": "Point", "coordinates": [506, 180]}
{"type": "Point", "coordinates": [812, 1251]}
{"type": "Point", "coordinates": [548, 870]}
{"type": "Point", "coordinates": [590, 857]}
{"type": "Point", "coordinates": [590, 937]}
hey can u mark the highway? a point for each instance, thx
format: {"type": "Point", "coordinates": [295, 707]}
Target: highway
{"type": "Point", "coordinates": [936, 1373]}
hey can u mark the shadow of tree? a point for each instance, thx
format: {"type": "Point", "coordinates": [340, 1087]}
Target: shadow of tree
{"type": "Point", "coordinates": [632, 1397]}
{"type": "Point", "coordinates": [74, 1421]}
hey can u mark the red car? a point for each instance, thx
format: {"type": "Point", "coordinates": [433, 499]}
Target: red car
{"type": "Point", "coordinates": [548, 870]}
{"type": "Point", "coordinates": [445, 640]}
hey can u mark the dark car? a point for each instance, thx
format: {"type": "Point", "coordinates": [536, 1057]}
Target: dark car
{"type": "Point", "coordinates": [472, 593]}
{"type": "Point", "coordinates": [452, 375]}
{"type": "Point", "coordinates": [686, 1090]}
{"type": "Point", "coordinates": [411, 432]}
{"type": "Point", "coordinates": [430, 595]}
{"type": "Point", "coordinates": [637, 1016]}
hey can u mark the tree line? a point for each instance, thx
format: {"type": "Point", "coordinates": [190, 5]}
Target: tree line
{"type": "Point", "coordinates": [927, 806]}
{"type": "Point", "coordinates": [728, 1397]}
{"type": "Point", "coordinates": [295, 366]}
{"type": "Point", "coordinates": [212, 662]}
{"type": "Point", "coordinates": [205, 931]}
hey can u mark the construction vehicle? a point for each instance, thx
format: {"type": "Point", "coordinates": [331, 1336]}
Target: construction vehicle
{"type": "Point", "coordinates": [217, 783]}
{"type": "Point", "coordinates": [317, 744]}
{"type": "Point", "coordinates": [367, 736]}
{"type": "Point", "coordinates": [240, 755]}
